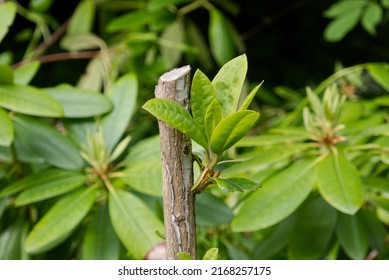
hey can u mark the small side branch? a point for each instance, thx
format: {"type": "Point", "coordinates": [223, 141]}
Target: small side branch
{"type": "Point", "coordinates": [177, 170]}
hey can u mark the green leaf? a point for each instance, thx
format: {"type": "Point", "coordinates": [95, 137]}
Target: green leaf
{"type": "Point", "coordinates": [385, 3]}
{"type": "Point", "coordinates": [26, 72]}
{"type": "Point", "coordinates": [6, 130]}
{"type": "Point", "coordinates": [184, 256]}
{"type": "Point", "coordinates": [222, 46]}
{"type": "Point", "coordinates": [201, 96]}
{"type": "Point", "coordinates": [339, 183]}
{"type": "Point", "coordinates": [342, 8]}
{"type": "Point", "coordinates": [47, 177]}
{"type": "Point", "coordinates": [247, 101]}
{"type": "Point", "coordinates": [236, 184]}
{"type": "Point", "coordinates": [211, 254]}
{"type": "Point", "coordinates": [11, 239]}
{"type": "Point", "coordinates": [279, 197]}
{"type": "Point", "coordinates": [48, 143]}
{"type": "Point", "coordinates": [82, 41]}
{"type": "Point", "coordinates": [132, 20]}
{"type": "Point", "coordinates": [6, 74]}
{"type": "Point", "coordinates": [123, 97]}
{"type": "Point", "coordinates": [380, 74]}
{"type": "Point", "coordinates": [171, 38]}
{"type": "Point", "coordinates": [211, 211]}
{"type": "Point", "coordinates": [228, 83]}
{"type": "Point", "coordinates": [339, 27]}
{"type": "Point", "coordinates": [352, 236]}
{"type": "Point", "coordinates": [60, 221]}
{"type": "Point", "coordinates": [176, 116]}
{"type": "Point", "coordinates": [197, 40]}
{"type": "Point", "coordinates": [372, 17]}
{"type": "Point", "coordinates": [29, 100]}
{"type": "Point", "coordinates": [213, 117]}
{"type": "Point", "coordinates": [376, 231]}
{"type": "Point", "coordinates": [63, 183]}
{"type": "Point", "coordinates": [7, 16]}
{"type": "Point", "coordinates": [79, 103]}
{"type": "Point", "coordinates": [312, 232]}
{"type": "Point", "coordinates": [100, 241]}
{"type": "Point", "coordinates": [82, 18]}
{"type": "Point", "coordinates": [231, 129]}
{"type": "Point", "coordinates": [133, 222]}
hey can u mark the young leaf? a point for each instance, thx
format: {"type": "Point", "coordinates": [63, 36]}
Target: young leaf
{"type": "Point", "coordinates": [247, 101]}
{"type": "Point", "coordinates": [352, 236]}
{"type": "Point", "coordinates": [236, 184]}
{"type": "Point", "coordinates": [176, 116]}
{"type": "Point", "coordinates": [211, 254]}
{"type": "Point", "coordinates": [133, 222]}
{"type": "Point", "coordinates": [7, 16]}
{"type": "Point", "coordinates": [339, 183]}
{"type": "Point", "coordinates": [201, 96]}
{"type": "Point", "coordinates": [279, 197]}
{"type": "Point", "coordinates": [184, 256]}
{"type": "Point", "coordinates": [55, 187]}
{"type": "Point", "coordinates": [29, 100]}
{"type": "Point", "coordinates": [228, 83]}
{"type": "Point", "coordinates": [79, 103]}
{"type": "Point", "coordinates": [231, 129]}
{"type": "Point", "coordinates": [213, 116]}
{"type": "Point", "coordinates": [312, 231]}
{"type": "Point", "coordinates": [60, 221]}
{"type": "Point", "coordinates": [6, 130]}
{"type": "Point", "coordinates": [48, 143]}
{"type": "Point", "coordinates": [100, 241]}
{"type": "Point", "coordinates": [123, 97]}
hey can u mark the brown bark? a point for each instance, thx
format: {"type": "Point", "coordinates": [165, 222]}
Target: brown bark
{"type": "Point", "coordinates": [177, 170]}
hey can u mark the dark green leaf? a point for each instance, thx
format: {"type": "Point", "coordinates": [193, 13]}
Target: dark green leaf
{"type": "Point", "coordinates": [48, 143]}
{"type": "Point", "coordinates": [60, 221]}
{"type": "Point", "coordinates": [312, 232]}
{"type": "Point", "coordinates": [11, 239]}
{"type": "Point", "coordinates": [177, 116]}
{"type": "Point", "coordinates": [279, 196]}
{"type": "Point", "coordinates": [339, 183]}
{"type": "Point", "coordinates": [228, 83]}
{"type": "Point", "coordinates": [236, 184]}
{"type": "Point", "coordinates": [6, 74]}
{"type": "Point", "coordinates": [352, 236]}
{"type": "Point", "coordinates": [6, 130]}
{"type": "Point", "coordinates": [231, 129]}
{"type": "Point", "coordinates": [376, 231]}
{"type": "Point", "coordinates": [100, 241]}
{"type": "Point", "coordinates": [29, 100]}
{"type": "Point", "coordinates": [211, 211]}
{"type": "Point", "coordinates": [133, 222]}
{"type": "Point", "coordinates": [79, 103]}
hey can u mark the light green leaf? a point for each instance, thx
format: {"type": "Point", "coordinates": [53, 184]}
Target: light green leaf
{"type": "Point", "coordinates": [221, 43]}
{"type": "Point", "coordinates": [339, 27]}
{"type": "Point", "coordinates": [312, 232]}
{"type": "Point", "coordinates": [25, 73]}
{"type": "Point", "coordinates": [213, 117]}
{"type": "Point", "coordinates": [211, 254]}
{"type": "Point", "coordinates": [315, 103]}
{"type": "Point", "coordinates": [132, 20]}
{"type": "Point", "coordinates": [211, 211]}
{"type": "Point", "coordinates": [60, 221]}
{"type": "Point", "coordinates": [176, 116]}
{"type": "Point", "coordinates": [279, 196]}
{"type": "Point", "coordinates": [352, 236]}
{"type": "Point", "coordinates": [43, 178]}
{"type": "Point", "coordinates": [339, 183]}
{"type": "Point", "coordinates": [228, 83]}
{"type": "Point", "coordinates": [79, 103]}
{"type": "Point", "coordinates": [184, 256]}
{"type": "Point", "coordinates": [48, 143]}
{"type": "Point", "coordinates": [82, 18]}
{"type": "Point", "coordinates": [123, 97]}
{"type": "Point", "coordinates": [247, 101]}
{"type": "Point", "coordinates": [372, 17]}
{"type": "Point", "coordinates": [6, 74]}
{"type": "Point", "coordinates": [6, 130]}
{"type": "Point", "coordinates": [171, 38]}
{"type": "Point", "coordinates": [29, 100]}
{"type": "Point", "coordinates": [133, 222]}
{"type": "Point", "coordinates": [54, 187]}
{"type": "Point", "coordinates": [201, 96]}
{"type": "Point", "coordinates": [236, 184]}
{"type": "Point", "coordinates": [7, 16]}
{"type": "Point", "coordinates": [82, 41]}
{"type": "Point", "coordinates": [231, 129]}
{"type": "Point", "coordinates": [380, 74]}
{"type": "Point", "coordinates": [100, 241]}
{"type": "Point", "coordinates": [341, 8]}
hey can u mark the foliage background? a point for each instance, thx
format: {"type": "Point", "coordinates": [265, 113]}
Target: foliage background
{"type": "Point", "coordinates": [286, 46]}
